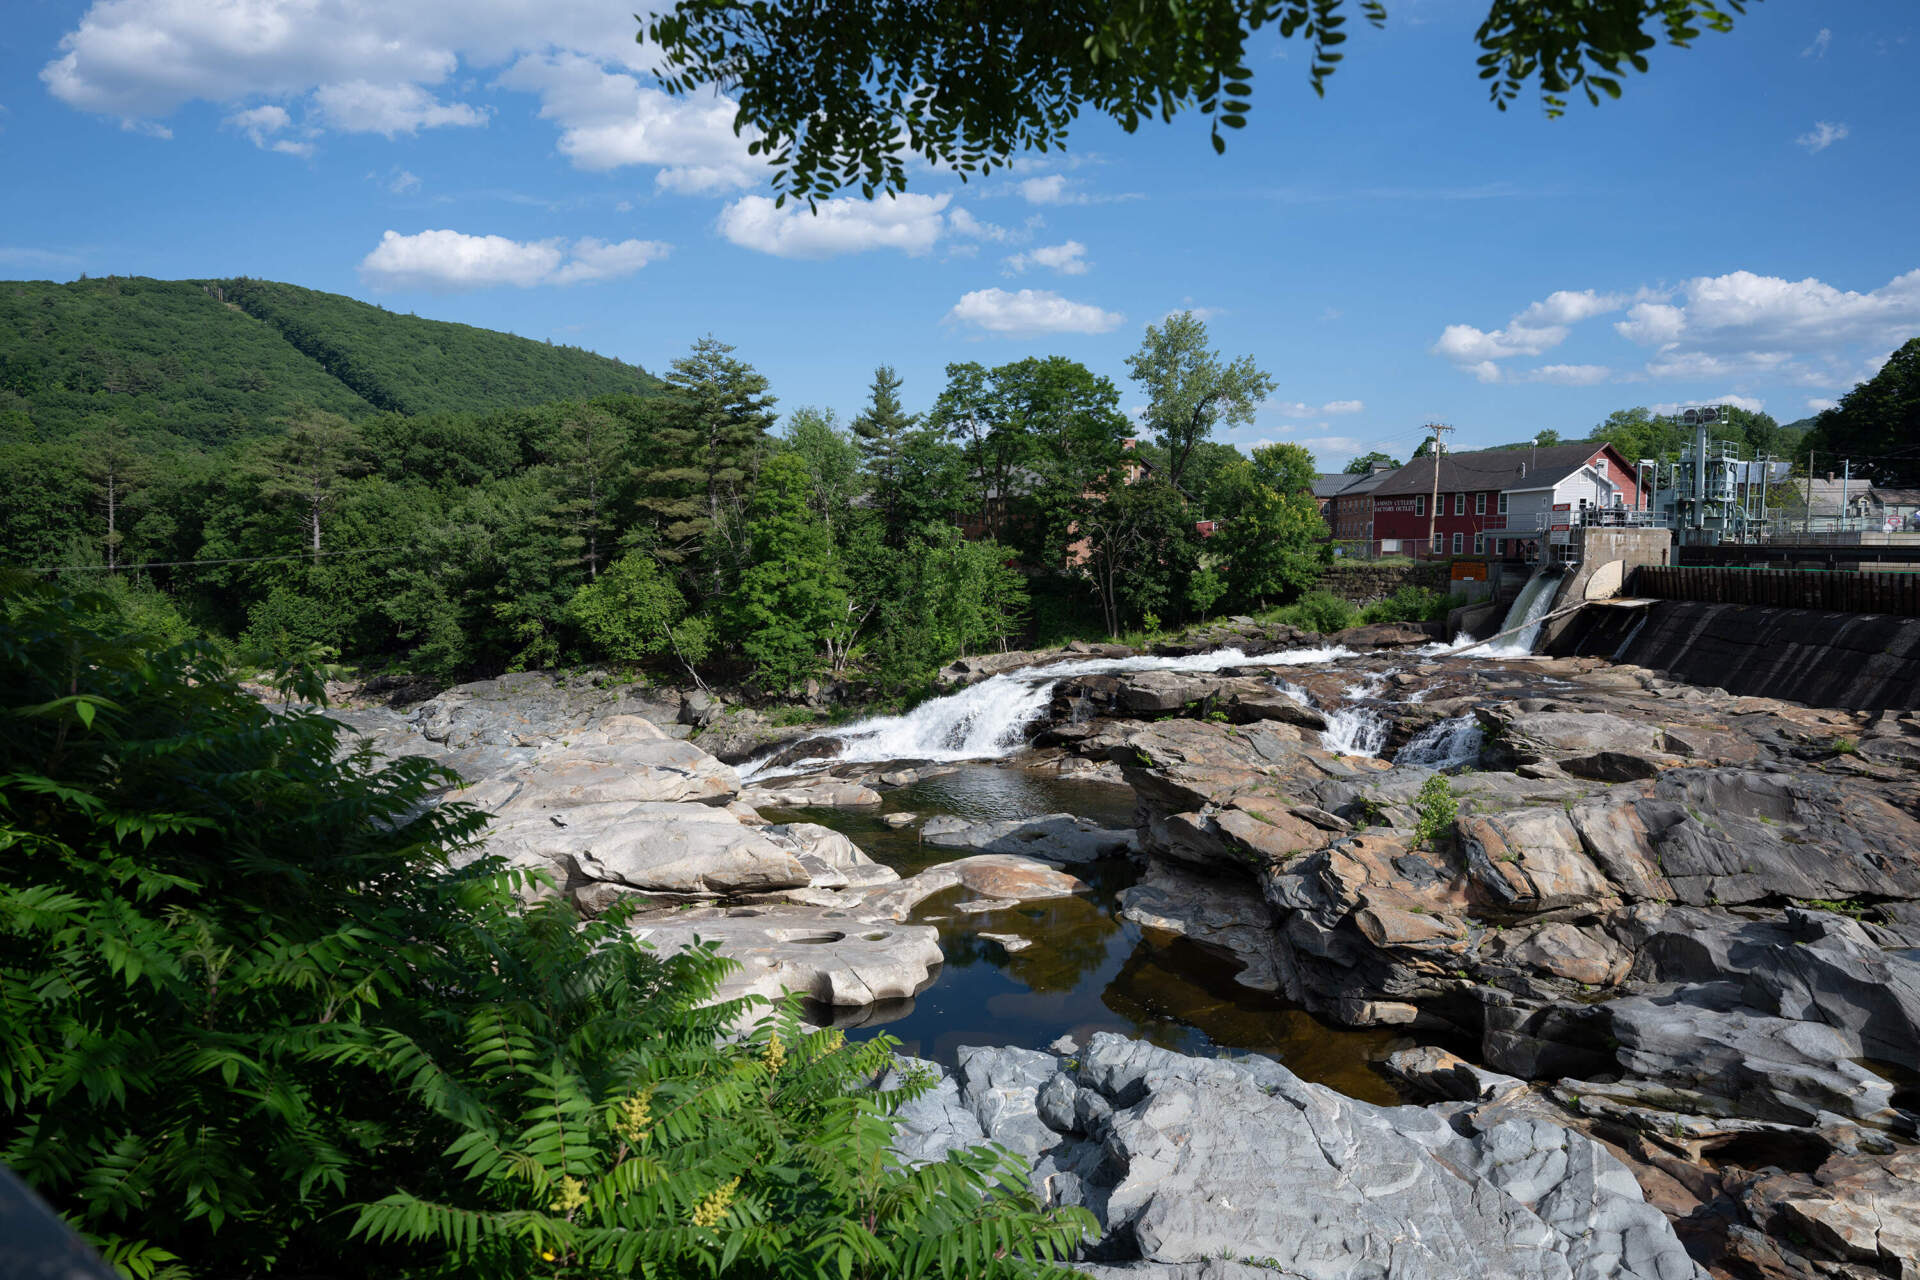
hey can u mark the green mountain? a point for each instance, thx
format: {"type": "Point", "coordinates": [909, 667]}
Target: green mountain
{"type": "Point", "coordinates": [217, 360]}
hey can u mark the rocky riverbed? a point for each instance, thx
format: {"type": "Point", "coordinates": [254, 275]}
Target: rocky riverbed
{"type": "Point", "coordinates": [1656, 976]}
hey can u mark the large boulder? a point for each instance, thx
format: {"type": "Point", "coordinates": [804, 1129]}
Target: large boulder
{"type": "Point", "coordinates": [1204, 1167]}
{"type": "Point", "coordinates": [1224, 914]}
{"type": "Point", "coordinates": [1001, 878]}
{"type": "Point", "coordinates": [1053, 837]}
{"type": "Point", "coordinates": [1741, 835]}
{"type": "Point", "coordinates": [818, 791]}
{"type": "Point", "coordinates": [827, 955]}
{"type": "Point", "coordinates": [647, 847]}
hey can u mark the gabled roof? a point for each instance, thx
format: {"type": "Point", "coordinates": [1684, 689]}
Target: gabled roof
{"type": "Point", "coordinates": [1497, 469]}
{"type": "Point", "coordinates": [1343, 484]}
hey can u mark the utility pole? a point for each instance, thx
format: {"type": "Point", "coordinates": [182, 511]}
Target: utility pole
{"type": "Point", "coordinates": [1433, 505]}
{"type": "Point", "coordinates": [1806, 521]}
{"type": "Point", "coordinates": [1846, 478]}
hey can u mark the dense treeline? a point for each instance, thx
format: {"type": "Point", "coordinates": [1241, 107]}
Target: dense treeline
{"type": "Point", "coordinates": [219, 360]}
{"type": "Point", "coordinates": [257, 1018]}
{"type": "Point", "coordinates": [678, 529]}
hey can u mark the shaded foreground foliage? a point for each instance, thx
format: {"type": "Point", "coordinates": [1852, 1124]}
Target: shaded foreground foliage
{"type": "Point", "coordinates": [265, 1012]}
{"type": "Point", "coordinates": [846, 94]}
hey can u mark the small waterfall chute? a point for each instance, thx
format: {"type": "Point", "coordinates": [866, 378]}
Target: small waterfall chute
{"type": "Point", "coordinates": [1354, 731]}
{"type": "Point", "coordinates": [1528, 612]}
{"type": "Point", "coordinates": [1444, 744]}
{"type": "Point", "coordinates": [989, 719]}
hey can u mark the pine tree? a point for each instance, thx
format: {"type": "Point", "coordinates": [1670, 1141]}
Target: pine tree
{"type": "Point", "coordinates": [588, 450]}
{"type": "Point", "coordinates": [307, 467]}
{"type": "Point", "coordinates": [792, 594]}
{"type": "Point", "coordinates": [118, 470]}
{"type": "Point", "coordinates": [708, 428]}
{"type": "Point", "coordinates": [881, 431]}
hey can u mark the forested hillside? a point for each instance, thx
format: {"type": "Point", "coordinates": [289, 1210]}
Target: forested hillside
{"type": "Point", "coordinates": [156, 355]}
{"type": "Point", "coordinates": [223, 360]}
{"type": "Point", "coordinates": [408, 365]}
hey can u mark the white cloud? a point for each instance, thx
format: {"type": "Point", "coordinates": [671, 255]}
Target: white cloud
{"type": "Point", "coordinates": [1818, 49]}
{"type": "Point", "coordinates": [1050, 189]}
{"type": "Point", "coordinates": [360, 106]}
{"type": "Point", "coordinates": [261, 123]}
{"type": "Point", "coordinates": [1568, 375]}
{"type": "Point", "coordinates": [963, 223]}
{"type": "Point", "coordinates": [609, 120]}
{"type": "Point", "coordinates": [1335, 448]}
{"type": "Point", "coordinates": [910, 223]}
{"type": "Point", "coordinates": [1030, 311]}
{"type": "Point", "coordinates": [1823, 135]}
{"type": "Point", "coordinates": [1343, 406]}
{"type": "Point", "coordinates": [1536, 328]}
{"type": "Point", "coordinates": [1820, 405]}
{"type": "Point", "coordinates": [451, 261]}
{"type": "Point", "coordinates": [374, 66]}
{"type": "Point", "coordinates": [1744, 321]}
{"type": "Point", "coordinates": [593, 259]}
{"type": "Point", "coordinates": [1289, 408]}
{"type": "Point", "coordinates": [1058, 188]}
{"type": "Point", "coordinates": [1068, 259]}
{"type": "Point", "coordinates": [404, 182]}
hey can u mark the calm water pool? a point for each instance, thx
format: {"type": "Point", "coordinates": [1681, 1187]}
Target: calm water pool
{"type": "Point", "coordinates": [1087, 969]}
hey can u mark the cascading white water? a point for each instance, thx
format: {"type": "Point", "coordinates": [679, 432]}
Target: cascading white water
{"type": "Point", "coordinates": [1354, 731]}
{"type": "Point", "coordinates": [1534, 601]}
{"type": "Point", "coordinates": [986, 720]}
{"type": "Point", "coordinates": [1444, 744]}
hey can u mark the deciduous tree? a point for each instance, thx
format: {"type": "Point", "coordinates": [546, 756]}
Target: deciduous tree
{"type": "Point", "coordinates": [845, 94]}
{"type": "Point", "coordinates": [1189, 391]}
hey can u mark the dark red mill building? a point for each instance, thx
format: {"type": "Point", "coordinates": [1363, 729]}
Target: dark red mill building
{"type": "Point", "coordinates": [1492, 500]}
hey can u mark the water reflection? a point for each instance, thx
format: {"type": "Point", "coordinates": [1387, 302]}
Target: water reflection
{"type": "Point", "coordinates": [1087, 969]}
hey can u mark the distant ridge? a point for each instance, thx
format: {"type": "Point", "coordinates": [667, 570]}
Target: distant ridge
{"type": "Point", "coordinates": [218, 360]}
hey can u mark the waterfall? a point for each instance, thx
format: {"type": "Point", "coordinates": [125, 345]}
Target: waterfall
{"type": "Point", "coordinates": [1354, 731]}
{"type": "Point", "coordinates": [989, 719]}
{"type": "Point", "coordinates": [1444, 744]}
{"type": "Point", "coordinates": [1535, 600]}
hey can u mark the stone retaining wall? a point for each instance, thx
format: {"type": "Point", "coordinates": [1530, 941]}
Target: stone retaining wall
{"type": "Point", "coordinates": [1362, 584]}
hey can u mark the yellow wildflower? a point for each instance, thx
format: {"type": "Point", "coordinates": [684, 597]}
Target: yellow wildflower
{"type": "Point", "coordinates": [573, 1194]}
{"type": "Point", "coordinates": [635, 1117]}
{"type": "Point", "coordinates": [776, 1055]}
{"type": "Point", "coordinates": [546, 1255]}
{"type": "Point", "coordinates": [709, 1212]}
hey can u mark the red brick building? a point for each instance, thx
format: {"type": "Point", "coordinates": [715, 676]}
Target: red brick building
{"type": "Point", "coordinates": [1493, 501]}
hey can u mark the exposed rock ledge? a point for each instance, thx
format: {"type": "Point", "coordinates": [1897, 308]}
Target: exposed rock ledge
{"type": "Point", "coordinates": [1204, 1168]}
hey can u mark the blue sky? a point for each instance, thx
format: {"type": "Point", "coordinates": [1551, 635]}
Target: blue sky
{"type": "Point", "coordinates": [1740, 226]}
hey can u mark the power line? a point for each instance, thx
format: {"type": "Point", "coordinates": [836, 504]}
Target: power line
{"type": "Point", "coordinates": [183, 564]}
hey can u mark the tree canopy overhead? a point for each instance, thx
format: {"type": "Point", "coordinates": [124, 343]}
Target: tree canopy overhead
{"type": "Point", "coordinates": [844, 94]}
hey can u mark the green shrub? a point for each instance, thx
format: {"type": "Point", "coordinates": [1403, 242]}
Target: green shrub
{"type": "Point", "coordinates": [1320, 611]}
{"type": "Point", "coordinates": [1435, 810]}
{"type": "Point", "coordinates": [256, 1021]}
{"type": "Point", "coordinates": [1409, 604]}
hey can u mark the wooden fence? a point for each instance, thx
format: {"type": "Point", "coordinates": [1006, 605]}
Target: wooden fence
{"type": "Point", "coordinates": [1841, 591]}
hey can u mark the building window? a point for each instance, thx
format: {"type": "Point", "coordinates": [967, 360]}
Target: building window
{"type": "Point", "coordinates": [1419, 504]}
{"type": "Point", "coordinates": [1457, 540]}
{"type": "Point", "coordinates": [1479, 504]}
{"type": "Point", "coordinates": [1501, 506]}
{"type": "Point", "coordinates": [1500, 548]}
{"type": "Point", "coordinates": [1459, 504]}
{"type": "Point", "coordinates": [1439, 544]}
{"type": "Point", "coordinates": [1479, 544]}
